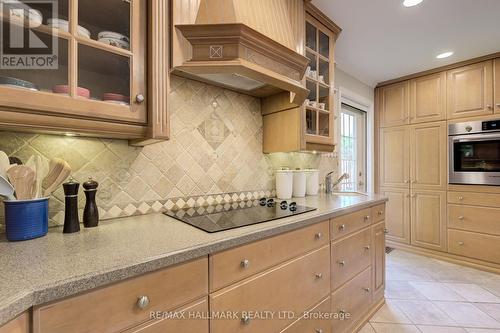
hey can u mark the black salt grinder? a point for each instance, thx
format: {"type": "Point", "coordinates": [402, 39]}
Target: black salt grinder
{"type": "Point", "coordinates": [90, 213]}
{"type": "Point", "coordinates": [71, 222]}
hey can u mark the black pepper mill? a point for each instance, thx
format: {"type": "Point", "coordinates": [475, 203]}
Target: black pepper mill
{"type": "Point", "coordinates": [71, 222]}
{"type": "Point", "coordinates": [90, 213]}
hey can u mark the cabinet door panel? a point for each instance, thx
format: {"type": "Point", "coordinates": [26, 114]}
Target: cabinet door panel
{"type": "Point", "coordinates": [428, 219]}
{"type": "Point", "coordinates": [470, 90]}
{"type": "Point", "coordinates": [395, 104]}
{"type": "Point", "coordinates": [497, 85]}
{"type": "Point", "coordinates": [428, 156]}
{"type": "Point", "coordinates": [428, 98]}
{"type": "Point", "coordinates": [394, 157]}
{"type": "Point", "coordinates": [378, 261]}
{"type": "Point", "coordinates": [19, 325]}
{"type": "Point", "coordinates": [397, 214]}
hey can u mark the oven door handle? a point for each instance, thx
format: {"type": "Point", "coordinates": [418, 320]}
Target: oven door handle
{"type": "Point", "coordinates": [475, 138]}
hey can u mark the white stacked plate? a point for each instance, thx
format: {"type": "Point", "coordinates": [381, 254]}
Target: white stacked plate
{"type": "Point", "coordinates": [64, 26]}
{"type": "Point", "coordinates": [114, 39]}
{"type": "Point", "coordinates": [33, 15]}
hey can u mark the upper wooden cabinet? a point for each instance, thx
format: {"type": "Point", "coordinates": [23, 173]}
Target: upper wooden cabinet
{"type": "Point", "coordinates": [100, 84]}
{"type": "Point", "coordinates": [497, 85]}
{"type": "Point", "coordinates": [394, 104]}
{"type": "Point", "coordinates": [428, 98]}
{"type": "Point", "coordinates": [470, 90]}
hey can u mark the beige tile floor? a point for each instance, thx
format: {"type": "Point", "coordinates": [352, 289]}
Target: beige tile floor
{"type": "Point", "coordinates": [425, 295]}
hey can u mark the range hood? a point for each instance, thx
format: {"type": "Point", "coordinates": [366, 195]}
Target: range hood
{"type": "Point", "coordinates": [231, 47]}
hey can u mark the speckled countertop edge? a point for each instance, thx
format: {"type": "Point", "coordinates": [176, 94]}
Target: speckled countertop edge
{"type": "Point", "coordinates": [23, 296]}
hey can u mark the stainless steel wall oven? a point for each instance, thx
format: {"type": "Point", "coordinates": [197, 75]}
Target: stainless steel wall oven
{"type": "Point", "coordinates": [474, 149]}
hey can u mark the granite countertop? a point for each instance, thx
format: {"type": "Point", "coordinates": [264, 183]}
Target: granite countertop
{"type": "Point", "coordinates": [58, 265]}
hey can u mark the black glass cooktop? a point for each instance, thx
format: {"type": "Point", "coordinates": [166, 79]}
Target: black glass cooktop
{"type": "Point", "coordinates": [229, 216]}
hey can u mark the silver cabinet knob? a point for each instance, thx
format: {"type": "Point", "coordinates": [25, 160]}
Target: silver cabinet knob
{"type": "Point", "coordinates": [489, 107]}
{"type": "Point", "coordinates": [498, 105]}
{"type": "Point", "coordinates": [460, 217]}
{"type": "Point", "coordinates": [342, 227]}
{"type": "Point", "coordinates": [245, 263]}
{"type": "Point", "coordinates": [142, 302]}
{"type": "Point", "coordinates": [318, 275]}
{"type": "Point", "coordinates": [318, 330]}
{"type": "Point", "coordinates": [245, 320]}
{"type": "Point", "coordinates": [460, 198]}
{"type": "Point", "coordinates": [406, 181]}
{"type": "Point", "coordinates": [386, 231]}
{"type": "Point", "coordinates": [461, 243]}
{"type": "Point", "coordinates": [367, 247]}
{"type": "Point", "coordinates": [318, 235]}
{"type": "Point", "coordinates": [367, 217]}
{"type": "Point", "coordinates": [342, 312]}
{"type": "Point", "coordinates": [366, 289]}
{"type": "Point", "coordinates": [342, 262]}
{"type": "Point", "coordinates": [139, 98]}
{"type": "Point", "coordinates": [380, 213]}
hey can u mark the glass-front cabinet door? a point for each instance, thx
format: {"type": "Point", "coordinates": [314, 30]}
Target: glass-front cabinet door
{"type": "Point", "coordinates": [319, 81]}
{"type": "Point", "coordinates": [82, 58]}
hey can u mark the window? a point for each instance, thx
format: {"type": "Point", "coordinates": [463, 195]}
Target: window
{"type": "Point", "coordinates": [353, 148]}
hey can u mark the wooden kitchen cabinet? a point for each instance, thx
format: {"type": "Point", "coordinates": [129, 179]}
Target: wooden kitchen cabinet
{"type": "Point", "coordinates": [428, 168]}
{"type": "Point", "coordinates": [397, 214]}
{"type": "Point", "coordinates": [99, 88]}
{"type": "Point", "coordinates": [318, 325]}
{"type": "Point", "coordinates": [19, 325]}
{"type": "Point", "coordinates": [378, 232]}
{"type": "Point", "coordinates": [428, 219]}
{"type": "Point", "coordinates": [394, 104]}
{"type": "Point", "coordinates": [428, 98]}
{"type": "Point", "coordinates": [394, 158]}
{"type": "Point", "coordinates": [470, 90]}
{"type": "Point", "coordinates": [474, 245]}
{"type": "Point", "coordinates": [497, 85]}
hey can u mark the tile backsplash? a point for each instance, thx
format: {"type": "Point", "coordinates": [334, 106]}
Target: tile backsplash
{"type": "Point", "coordinates": [215, 147]}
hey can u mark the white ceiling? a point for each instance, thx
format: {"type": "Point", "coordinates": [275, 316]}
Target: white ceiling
{"type": "Point", "coordinates": [382, 39]}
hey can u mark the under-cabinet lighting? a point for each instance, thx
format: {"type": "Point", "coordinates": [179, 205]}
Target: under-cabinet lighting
{"type": "Point", "coordinates": [444, 55]}
{"type": "Point", "coordinates": [411, 3]}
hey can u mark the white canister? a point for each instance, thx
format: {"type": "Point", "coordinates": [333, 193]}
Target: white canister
{"type": "Point", "coordinates": [299, 183]}
{"type": "Point", "coordinates": [312, 181]}
{"type": "Point", "coordinates": [284, 184]}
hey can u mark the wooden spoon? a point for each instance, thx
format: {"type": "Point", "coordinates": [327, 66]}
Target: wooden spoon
{"type": "Point", "coordinates": [59, 170]}
{"type": "Point", "coordinates": [23, 178]}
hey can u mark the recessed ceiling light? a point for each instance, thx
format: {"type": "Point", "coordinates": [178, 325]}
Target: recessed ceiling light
{"type": "Point", "coordinates": [411, 3]}
{"type": "Point", "coordinates": [444, 55]}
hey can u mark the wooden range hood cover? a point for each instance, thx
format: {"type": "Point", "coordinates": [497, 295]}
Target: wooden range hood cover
{"type": "Point", "coordinates": [228, 48]}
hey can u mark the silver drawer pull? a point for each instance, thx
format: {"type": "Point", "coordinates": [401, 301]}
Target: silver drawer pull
{"type": "Point", "coordinates": [367, 247]}
{"type": "Point", "coordinates": [366, 289]}
{"type": "Point", "coordinates": [460, 217]}
{"type": "Point", "coordinates": [318, 330]}
{"type": "Point", "coordinates": [461, 243]}
{"type": "Point", "coordinates": [342, 262]}
{"type": "Point", "coordinates": [142, 302]}
{"type": "Point", "coordinates": [367, 217]}
{"type": "Point", "coordinates": [245, 320]}
{"type": "Point", "coordinates": [460, 198]}
{"type": "Point", "coordinates": [386, 231]}
{"type": "Point", "coordinates": [342, 312]}
{"type": "Point", "coordinates": [380, 212]}
{"type": "Point", "coordinates": [245, 263]}
{"type": "Point", "coordinates": [318, 235]}
{"type": "Point", "coordinates": [139, 98]}
{"type": "Point", "coordinates": [318, 275]}
{"type": "Point", "coordinates": [342, 227]}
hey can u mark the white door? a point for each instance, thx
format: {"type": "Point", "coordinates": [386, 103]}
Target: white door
{"type": "Point", "coordinates": [353, 148]}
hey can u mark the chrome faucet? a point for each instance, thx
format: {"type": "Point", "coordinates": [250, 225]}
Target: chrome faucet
{"type": "Point", "coordinates": [330, 184]}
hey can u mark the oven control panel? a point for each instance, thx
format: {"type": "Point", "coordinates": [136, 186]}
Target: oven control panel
{"type": "Point", "coordinates": [492, 125]}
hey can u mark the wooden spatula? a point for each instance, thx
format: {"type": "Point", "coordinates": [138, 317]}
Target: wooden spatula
{"type": "Point", "coordinates": [59, 170]}
{"type": "Point", "coordinates": [23, 178]}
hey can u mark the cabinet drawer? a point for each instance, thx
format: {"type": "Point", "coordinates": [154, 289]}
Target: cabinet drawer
{"type": "Point", "coordinates": [19, 325]}
{"type": "Point", "coordinates": [474, 245]}
{"type": "Point", "coordinates": [353, 299]}
{"type": "Point", "coordinates": [236, 264]}
{"type": "Point", "coordinates": [294, 286]}
{"type": "Point", "coordinates": [473, 218]}
{"type": "Point", "coordinates": [190, 318]}
{"type": "Point", "coordinates": [350, 256]}
{"type": "Point", "coordinates": [378, 213]}
{"type": "Point", "coordinates": [474, 199]}
{"type": "Point", "coordinates": [312, 323]}
{"type": "Point", "coordinates": [115, 307]}
{"type": "Point", "coordinates": [346, 224]}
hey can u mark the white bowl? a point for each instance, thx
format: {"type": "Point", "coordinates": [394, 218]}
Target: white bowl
{"type": "Point", "coordinates": [115, 42]}
{"type": "Point", "coordinates": [113, 35]}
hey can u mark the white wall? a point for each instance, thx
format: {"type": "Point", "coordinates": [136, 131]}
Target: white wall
{"type": "Point", "coordinates": [360, 95]}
